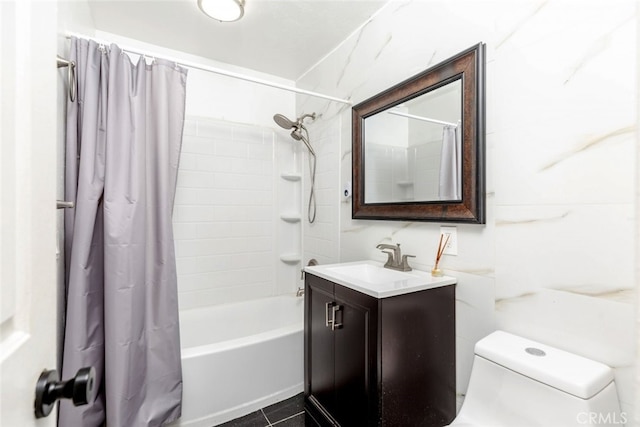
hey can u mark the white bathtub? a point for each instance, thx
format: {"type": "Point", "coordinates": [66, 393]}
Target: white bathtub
{"type": "Point", "coordinates": [238, 358]}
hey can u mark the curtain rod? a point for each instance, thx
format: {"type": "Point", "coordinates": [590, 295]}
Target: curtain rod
{"type": "Point", "coordinates": [424, 119]}
{"type": "Point", "coordinates": [219, 71]}
{"type": "Point", "coordinates": [71, 76]}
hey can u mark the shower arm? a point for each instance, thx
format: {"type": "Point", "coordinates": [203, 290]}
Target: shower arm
{"type": "Point", "coordinates": [304, 116]}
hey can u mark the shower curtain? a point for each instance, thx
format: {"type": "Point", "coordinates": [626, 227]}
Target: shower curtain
{"type": "Point", "coordinates": [451, 164]}
{"type": "Point", "coordinates": [124, 135]}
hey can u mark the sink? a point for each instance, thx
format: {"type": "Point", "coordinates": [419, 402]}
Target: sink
{"type": "Point", "coordinates": [371, 278]}
{"type": "Point", "coordinates": [371, 273]}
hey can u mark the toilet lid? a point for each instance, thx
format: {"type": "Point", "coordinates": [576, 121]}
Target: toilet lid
{"type": "Point", "coordinates": [565, 371]}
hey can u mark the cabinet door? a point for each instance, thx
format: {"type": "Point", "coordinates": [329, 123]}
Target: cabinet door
{"type": "Point", "coordinates": [355, 343]}
{"type": "Point", "coordinates": [319, 344]}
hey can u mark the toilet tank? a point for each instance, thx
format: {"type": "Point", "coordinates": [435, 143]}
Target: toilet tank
{"type": "Point", "coordinates": [519, 382]}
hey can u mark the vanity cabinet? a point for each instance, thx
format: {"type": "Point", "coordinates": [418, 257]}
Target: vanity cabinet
{"type": "Point", "coordinates": [379, 361]}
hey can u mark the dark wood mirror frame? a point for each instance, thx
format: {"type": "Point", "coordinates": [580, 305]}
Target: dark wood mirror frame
{"type": "Point", "coordinates": [469, 67]}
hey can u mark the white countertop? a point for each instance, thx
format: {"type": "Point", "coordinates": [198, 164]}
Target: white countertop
{"type": "Point", "coordinates": [371, 278]}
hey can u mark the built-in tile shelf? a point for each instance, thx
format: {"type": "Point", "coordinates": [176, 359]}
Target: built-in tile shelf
{"type": "Point", "coordinates": [405, 183]}
{"type": "Point", "coordinates": [291, 176]}
{"type": "Point", "coordinates": [291, 258]}
{"type": "Point", "coordinates": [290, 217]}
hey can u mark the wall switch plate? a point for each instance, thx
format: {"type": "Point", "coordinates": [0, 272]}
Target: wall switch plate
{"type": "Point", "coordinates": [452, 244]}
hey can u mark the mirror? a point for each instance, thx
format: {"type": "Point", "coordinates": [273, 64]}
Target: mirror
{"type": "Point", "coordinates": [418, 147]}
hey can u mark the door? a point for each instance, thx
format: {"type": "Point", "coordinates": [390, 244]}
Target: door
{"type": "Point", "coordinates": [319, 375]}
{"type": "Point", "coordinates": [355, 370]}
{"type": "Point", "coordinates": [341, 359]}
{"type": "Point", "coordinates": [27, 205]}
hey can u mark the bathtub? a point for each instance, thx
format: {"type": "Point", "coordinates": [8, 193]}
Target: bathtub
{"type": "Point", "coordinates": [238, 358]}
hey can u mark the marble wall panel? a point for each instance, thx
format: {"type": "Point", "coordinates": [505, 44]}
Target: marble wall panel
{"type": "Point", "coordinates": [555, 261]}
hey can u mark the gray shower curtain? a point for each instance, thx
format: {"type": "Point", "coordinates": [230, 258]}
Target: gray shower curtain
{"type": "Point", "coordinates": [124, 134]}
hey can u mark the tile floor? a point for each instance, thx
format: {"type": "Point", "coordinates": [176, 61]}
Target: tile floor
{"type": "Point", "coordinates": [288, 413]}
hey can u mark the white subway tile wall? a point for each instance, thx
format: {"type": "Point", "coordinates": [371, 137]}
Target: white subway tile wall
{"type": "Point", "coordinates": [224, 213]}
{"type": "Point", "coordinates": [321, 238]}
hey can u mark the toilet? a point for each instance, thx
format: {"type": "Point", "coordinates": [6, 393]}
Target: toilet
{"type": "Point", "coordinates": [518, 382]}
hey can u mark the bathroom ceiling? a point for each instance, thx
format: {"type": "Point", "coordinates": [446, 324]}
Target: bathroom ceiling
{"type": "Point", "coordinates": [280, 37]}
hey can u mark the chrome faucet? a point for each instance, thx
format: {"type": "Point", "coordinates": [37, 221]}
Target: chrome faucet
{"type": "Point", "coordinates": [395, 259]}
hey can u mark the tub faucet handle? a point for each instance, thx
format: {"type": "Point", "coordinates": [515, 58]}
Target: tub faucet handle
{"type": "Point", "coordinates": [311, 263]}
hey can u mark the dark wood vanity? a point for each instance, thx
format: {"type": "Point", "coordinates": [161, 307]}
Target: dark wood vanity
{"type": "Point", "coordinates": [379, 361]}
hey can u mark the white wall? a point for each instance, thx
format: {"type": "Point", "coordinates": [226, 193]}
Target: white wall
{"type": "Point", "coordinates": [74, 16]}
{"type": "Point", "coordinates": [224, 213]}
{"type": "Point", "coordinates": [219, 97]}
{"type": "Point", "coordinates": [636, 420]}
{"type": "Point", "coordinates": [227, 227]}
{"type": "Point", "coordinates": [555, 261]}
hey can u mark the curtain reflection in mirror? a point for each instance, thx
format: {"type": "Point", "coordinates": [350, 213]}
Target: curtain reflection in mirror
{"type": "Point", "coordinates": [450, 164]}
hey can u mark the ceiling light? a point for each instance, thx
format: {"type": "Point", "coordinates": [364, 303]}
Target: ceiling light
{"type": "Point", "coordinates": [222, 10]}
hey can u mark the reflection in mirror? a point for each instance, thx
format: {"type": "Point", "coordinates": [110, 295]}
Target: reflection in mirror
{"type": "Point", "coordinates": [418, 147]}
{"type": "Point", "coordinates": [424, 131]}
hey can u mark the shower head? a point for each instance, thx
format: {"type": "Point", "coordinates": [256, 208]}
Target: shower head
{"type": "Point", "coordinates": [296, 133]}
{"type": "Point", "coordinates": [297, 127]}
{"type": "Point", "coordinates": [283, 122]}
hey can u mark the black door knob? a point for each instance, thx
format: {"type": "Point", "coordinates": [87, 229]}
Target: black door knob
{"type": "Point", "coordinates": [80, 389]}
